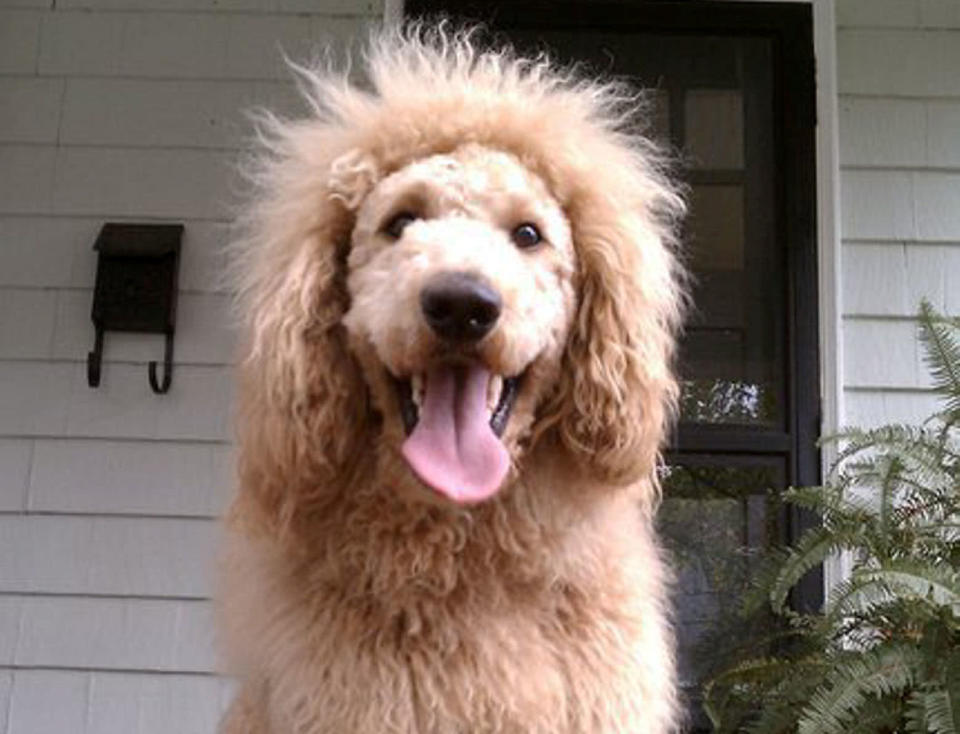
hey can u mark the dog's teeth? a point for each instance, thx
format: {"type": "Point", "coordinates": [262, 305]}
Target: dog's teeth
{"type": "Point", "coordinates": [417, 390]}
{"type": "Point", "coordinates": [493, 392]}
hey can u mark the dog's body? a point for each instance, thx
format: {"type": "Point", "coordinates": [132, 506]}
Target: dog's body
{"type": "Point", "coordinates": [462, 302]}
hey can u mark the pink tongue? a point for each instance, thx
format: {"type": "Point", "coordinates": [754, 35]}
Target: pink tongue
{"type": "Point", "coordinates": [453, 449]}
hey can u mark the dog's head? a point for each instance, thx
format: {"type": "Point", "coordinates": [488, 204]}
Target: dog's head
{"type": "Point", "coordinates": [471, 261]}
{"type": "Point", "coordinates": [460, 284]}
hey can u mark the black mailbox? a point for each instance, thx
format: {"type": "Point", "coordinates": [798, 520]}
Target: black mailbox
{"type": "Point", "coordinates": [136, 289]}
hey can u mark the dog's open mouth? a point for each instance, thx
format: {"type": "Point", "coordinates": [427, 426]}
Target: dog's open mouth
{"type": "Point", "coordinates": [454, 415]}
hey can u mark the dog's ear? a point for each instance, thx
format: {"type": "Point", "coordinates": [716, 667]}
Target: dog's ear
{"type": "Point", "coordinates": [302, 400]}
{"type": "Point", "coordinates": [617, 392]}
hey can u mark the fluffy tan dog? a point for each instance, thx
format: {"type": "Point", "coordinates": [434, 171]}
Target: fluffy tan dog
{"type": "Point", "coordinates": [461, 299]}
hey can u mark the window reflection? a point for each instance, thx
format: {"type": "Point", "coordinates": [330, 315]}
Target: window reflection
{"type": "Point", "coordinates": [716, 520]}
{"type": "Point", "coordinates": [727, 401]}
{"type": "Point", "coordinates": [714, 133]}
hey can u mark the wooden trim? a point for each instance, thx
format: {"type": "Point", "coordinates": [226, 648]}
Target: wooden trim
{"type": "Point", "coordinates": [727, 438]}
{"type": "Point", "coordinates": [837, 568]}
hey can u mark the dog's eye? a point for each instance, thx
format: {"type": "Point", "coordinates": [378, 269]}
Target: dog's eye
{"type": "Point", "coordinates": [394, 228]}
{"type": "Point", "coordinates": [526, 235]}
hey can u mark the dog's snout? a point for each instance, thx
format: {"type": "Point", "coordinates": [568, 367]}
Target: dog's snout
{"type": "Point", "coordinates": [460, 307]}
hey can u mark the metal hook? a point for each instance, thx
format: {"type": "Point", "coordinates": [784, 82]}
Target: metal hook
{"type": "Point", "coordinates": [93, 360]}
{"type": "Point", "coordinates": [161, 387]}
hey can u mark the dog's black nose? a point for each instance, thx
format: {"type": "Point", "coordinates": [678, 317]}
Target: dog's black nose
{"type": "Point", "coordinates": [460, 307]}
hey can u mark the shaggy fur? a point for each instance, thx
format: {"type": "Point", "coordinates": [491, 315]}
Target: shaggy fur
{"type": "Point", "coordinates": [355, 598]}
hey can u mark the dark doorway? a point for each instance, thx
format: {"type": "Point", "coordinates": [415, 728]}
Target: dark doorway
{"type": "Point", "coordinates": [732, 89]}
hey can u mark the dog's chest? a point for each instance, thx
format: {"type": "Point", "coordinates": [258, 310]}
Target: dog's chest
{"type": "Point", "coordinates": [435, 669]}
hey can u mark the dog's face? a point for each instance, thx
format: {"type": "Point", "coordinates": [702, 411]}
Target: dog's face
{"type": "Point", "coordinates": [461, 290]}
{"type": "Point", "coordinates": [460, 278]}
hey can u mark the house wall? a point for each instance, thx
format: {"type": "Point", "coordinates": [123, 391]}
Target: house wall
{"type": "Point", "coordinates": [116, 110]}
{"type": "Point", "coordinates": [898, 69]}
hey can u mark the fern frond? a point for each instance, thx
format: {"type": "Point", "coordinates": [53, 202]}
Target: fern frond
{"type": "Point", "coordinates": [854, 680]}
{"type": "Point", "coordinates": [915, 714]}
{"type": "Point", "coordinates": [939, 585]}
{"type": "Point", "coordinates": [921, 508]}
{"type": "Point", "coordinates": [834, 504]}
{"type": "Point", "coordinates": [947, 533]}
{"type": "Point", "coordinates": [924, 457]}
{"type": "Point", "coordinates": [890, 470]}
{"type": "Point", "coordinates": [942, 712]}
{"type": "Point", "coordinates": [774, 718]}
{"type": "Point", "coordinates": [715, 690]}
{"type": "Point", "coordinates": [881, 716]}
{"type": "Point", "coordinates": [869, 590]}
{"type": "Point", "coordinates": [941, 354]}
{"type": "Point", "coordinates": [811, 550]}
{"type": "Point", "coordinates": [766, 675]}
{"type": "Point", "coordinates": [855, 441]}
{"type": "Point", "coordinates": [919, 447]}
{"type": "Point", "coordinates": [748, 671]}
{"type": "Point", "coordinates": [857, 596]}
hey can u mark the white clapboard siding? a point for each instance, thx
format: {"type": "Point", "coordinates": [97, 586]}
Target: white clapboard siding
{"type": "Point", "coordinates": [26, 186]}
{"type": "Point", "coordinates": [111, 703]}
{"type": "Point", "coordinates": [27, 319]}
{"type": "Point", "coordinates": [124, 110]}
{"type": "Point", "coordinates": [88, 633]}
{"type": "Point", "coordinates": [897, 204]}
{"type": "Point", "coordinates": [898, 13]}
{"type": "Point", "coordinates": [924, 64]}
{"type": "Point", "coordinates": [872, 407]}
{"type": "Point", "coordinates": [9, 628]}
{"type": "Point", "coordinates": [889, 279]}
{"type": "Point", "coordinates": [883, 353]}
{"type": "Point", "coordinates": [877, 13]}
{"type": "Point", "coordinates": [938, 202]}
{"type": "Point", "coordinates": [168, 113]}
{"type": "Point", "coordinates": [321, 7]}
{"type": "Point", "coordinates": [111, 182]}
{"type": "Point", "coordinates": [151, 183]}
{"type": "Point", "coordinates": [186, 45]}
{"type": "Point", "coordinates": [31, 109]}
{"type": "Point", "coordinates": [6, 687]}
{"type": "Point", "coordinates": [899, 112]}
{"type": "Point", "coordinates": [15, 457]}
{"type": "Point", "coordinates": [19, 41]}
{"type": "Point", "coordinates": [908, 133]}
{"type": "Point", "coordinates": [121, 556]}
{"type": "Point", "coordinates": [40, 398]}
{"type": "Point", "coordinates": [173, 479]}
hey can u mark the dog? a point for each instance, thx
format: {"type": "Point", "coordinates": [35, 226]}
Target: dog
{"type": "Point", "coordinates": [461, 294]}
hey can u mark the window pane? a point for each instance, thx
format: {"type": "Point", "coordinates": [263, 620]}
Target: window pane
{"type": "Point", "coordinates": [716, 228]}
{"type": "Point", "coordinates": [718, 515]}
{"type": "Point", "coordinates": [714, 136]}
{"type": "Point", "coordinates": [732, 354]}
{"type": "Point", "coordinates": [659, 101]}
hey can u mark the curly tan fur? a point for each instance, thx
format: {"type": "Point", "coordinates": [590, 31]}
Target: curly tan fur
{"type": "Point", "coordinates": [353, 599]}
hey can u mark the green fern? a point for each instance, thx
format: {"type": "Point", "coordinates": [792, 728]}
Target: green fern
{"type": "Point", "coordinates": [942, 355]}
{"type": "Point", "coordinates": [883, 657]}
{"type": "Point", "coordinates": [942, 712]}
{"type": "Point", "coordinates": [850, 686]}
